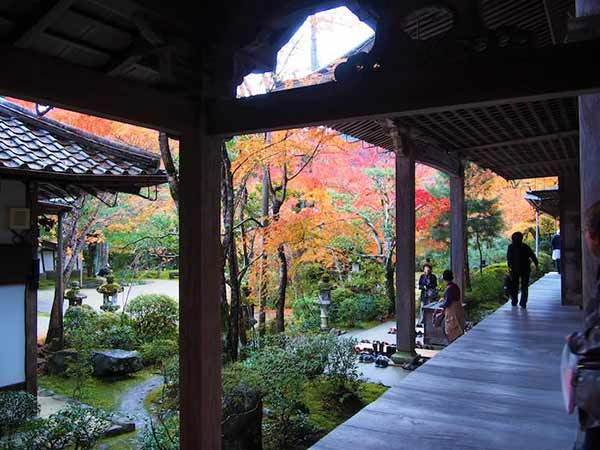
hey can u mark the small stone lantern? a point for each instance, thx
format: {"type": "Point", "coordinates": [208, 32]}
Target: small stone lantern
{"type": "Point", "coordinates": [324, 301]}
{"type": "Point", "coordinates": [73, 295]}
{"type": "Point", "coordinates": [110, 291]}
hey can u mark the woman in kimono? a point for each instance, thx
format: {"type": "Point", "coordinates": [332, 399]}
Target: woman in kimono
{"type": "Point", "coordinates": [452, 309]}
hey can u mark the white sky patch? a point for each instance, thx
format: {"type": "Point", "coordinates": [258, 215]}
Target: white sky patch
{"type": "Point", "coordinates": [338, 32]}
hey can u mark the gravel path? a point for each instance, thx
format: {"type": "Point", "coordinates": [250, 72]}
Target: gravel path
{"type": "Point", "coordinates": [132, 402]}
{"type": "Point", "coordinates": [390, 376]}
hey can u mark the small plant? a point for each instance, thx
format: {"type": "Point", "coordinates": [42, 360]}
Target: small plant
{"type": "Point", "coordinates": [15, 409]}
{"type": "Point", "coordinates": [163, 434]}
{"type": "Point", "coordinates": [75, 427]}
{"type": "Point", "coordinates": [154, 316]}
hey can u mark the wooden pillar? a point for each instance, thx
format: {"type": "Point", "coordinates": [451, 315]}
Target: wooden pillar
{"type": "Point", "coordinates": [31, 293]}
{"type": "Point", "coordinates": [201, 269]}
{"type": "Point", "coordinates": [537, 232]}
{"type": "Point", "coordinates": [405, 252]}
{"type": "Point", "coordinates": [570, 241]}
{"type": "Point", "coordinates": [458, 230]}
{"type": "Point", "coordinates": [589, 162]}
{"type": "Point", "coordinates": [60, 278]}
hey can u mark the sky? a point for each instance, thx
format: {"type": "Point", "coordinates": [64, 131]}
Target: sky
{"type": "Point", "coordinates": [339, 31]}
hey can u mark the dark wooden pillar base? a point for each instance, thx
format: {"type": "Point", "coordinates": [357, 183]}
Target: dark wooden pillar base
{"type": "Point", "coordinates": [405, 252]}
{"type": "Point", "coordinates": [199, 291]}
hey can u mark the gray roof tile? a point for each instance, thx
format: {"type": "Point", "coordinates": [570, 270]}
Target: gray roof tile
{"type": "Point", "coordinates": [36, 143]}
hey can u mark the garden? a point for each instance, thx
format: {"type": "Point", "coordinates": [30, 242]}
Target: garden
{"type": "Point", "coordinates": [304, 212]}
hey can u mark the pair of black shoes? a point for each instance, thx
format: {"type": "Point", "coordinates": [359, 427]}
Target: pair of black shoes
{"type": "Point", "coordinates": [522, 305]}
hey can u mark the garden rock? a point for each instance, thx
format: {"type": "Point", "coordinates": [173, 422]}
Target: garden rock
{"type": "Point", "coordinates": [111, 363]}
{"type": "Point", "coordinates": [58, 361]}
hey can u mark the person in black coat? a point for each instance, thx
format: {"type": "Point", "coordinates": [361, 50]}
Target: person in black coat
{"type": "Point", "coordinates": [428, 288]}
{"type": "Point", "coordinates": [519, 257]}
{"type": "Point", "coordinates": [556, 250]}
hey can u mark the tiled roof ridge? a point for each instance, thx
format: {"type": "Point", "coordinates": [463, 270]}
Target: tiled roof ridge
{"type": "Point", "coordinates": [75, 134]}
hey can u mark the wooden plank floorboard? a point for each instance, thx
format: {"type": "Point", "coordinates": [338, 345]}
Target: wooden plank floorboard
{"type": "Point", "coordinates": [496, 388]}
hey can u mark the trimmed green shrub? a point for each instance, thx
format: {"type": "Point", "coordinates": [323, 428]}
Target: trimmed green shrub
{"type": "Point", "coordinates": [306, 313]}
{"type": "Point", "coordinates": [361, 307]}
{"type": "Point", "coordinates": [15, 409]}
{"type": "Point", "coordinates": [79, 318]}
{"type": "Point", "coordinates": [159, 351]}
{"type": "Point", "coordinates": [154, 316]}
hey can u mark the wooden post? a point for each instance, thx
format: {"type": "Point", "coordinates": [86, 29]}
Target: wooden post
{"type": "Point", "coordinates": [201, 269]}
{"type": "Point", "coordinates": [60, 278]}
{"type": "Point", "coordinates": [589, 162]}
{"type": "Point", "coordinates": [458, 230]}
{"type": "Point", "coordinates": [537, 232]}
{"type": "Point", "coordinates": [570, 241]}
{"type": "Point", "coordinates": [31, 293]}
{"type": "Point", "coordinates": [405, 252]}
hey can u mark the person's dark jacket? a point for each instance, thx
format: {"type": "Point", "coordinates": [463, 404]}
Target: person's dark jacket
{"type": "Point", "coordinates": [427, 281]}
{"type": "Point", "coordinates": [555, 242]}
{"type": "Point", "coordinates": [519, 257]}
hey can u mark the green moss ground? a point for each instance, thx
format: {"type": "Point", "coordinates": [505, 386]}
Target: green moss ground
{"type": "Point", "coordinates": [98, 393]}
{"type": "Point", "coordinates": [326, 414]}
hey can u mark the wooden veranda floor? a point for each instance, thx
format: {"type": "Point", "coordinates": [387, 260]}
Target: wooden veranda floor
{"type": "Point", "coordinates": [496, 388]}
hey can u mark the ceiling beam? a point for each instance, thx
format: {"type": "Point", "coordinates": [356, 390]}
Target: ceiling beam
{"type": "Point", "coordinates": [47, 17]}
{"type": "Point", "coordinates": [39, 78]}
{"type": "Point", "coordinates": [522, 141]}
{"type": "Point", "coordinates": [501, 76]}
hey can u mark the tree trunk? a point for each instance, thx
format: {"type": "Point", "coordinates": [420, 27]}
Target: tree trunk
{"type": "Point", "coordinates": [281, 292]}
{"type": "Point", "coordinates": [467, 272]}
{"type": "Point", "coordinates": [262, 279]}
{"type": "Point", "coordinates": [234, 310]}
{"type": "Point", "coordinates": [478, 243]}
{"type": "Point", "coordinates": [230, 250]}
{"type": "Point", "coordinates": [172, 172]}
{"type": "Point", "coordinates": [55, 336]}
{"type": "Point", "coordinates": [390, 288]}
{"type": "Point", "coordinates": [74, 238]}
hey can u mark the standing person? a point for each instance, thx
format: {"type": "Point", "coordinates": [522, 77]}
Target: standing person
{"type": "Point", "coordinates": [587, 346]}
{"type": "Point", "coordinates": [452, 309]}
{"type": "Point", "coordinates": [428, 287]}
{"type": "Point", "coordinates": [556, 250]}
{"type": "Point", "coordinates": [519, 257]}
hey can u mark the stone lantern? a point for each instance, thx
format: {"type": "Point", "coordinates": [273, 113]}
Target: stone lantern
{"type": "Point", "coordinates": [110, 291]}
{"type": "Point", "coordinates": [73, 295]}
{"type": "Point", "coordinates": [324, 301]}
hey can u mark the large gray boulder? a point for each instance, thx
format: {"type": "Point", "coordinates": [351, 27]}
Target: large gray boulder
{"type": "Point", "coordinates": [113, 363]}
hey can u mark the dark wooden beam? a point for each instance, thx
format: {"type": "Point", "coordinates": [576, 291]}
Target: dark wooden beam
{"type": "Point", "coordinates": [438, 159]}
{"type": "Point", "coordinates": [500, 76]}
{"type": "Point", "coordinates": [522, 141]}
{"type": "Point", "coordinates": [48, 16]}
{"type": "Point", "coordinates": [200, 289]}
{"type": "Point", "coordinates": [36, 77]}
{"type": "Point", "coordinates": [425, 149]}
